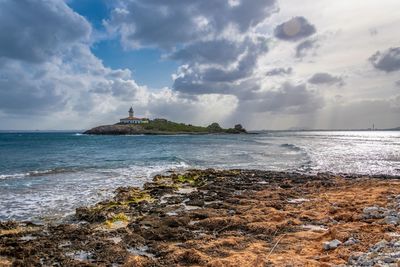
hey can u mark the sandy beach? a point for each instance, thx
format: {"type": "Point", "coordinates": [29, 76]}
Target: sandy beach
{"type": "Point", "coordinates": [223, 218]}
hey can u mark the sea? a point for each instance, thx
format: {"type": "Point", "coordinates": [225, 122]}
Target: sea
{"type": "Point", "coordinates": [45, 176]}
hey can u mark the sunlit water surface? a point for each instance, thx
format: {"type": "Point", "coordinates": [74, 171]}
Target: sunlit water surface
{"type": "Point", "coordinates": [47, 175]}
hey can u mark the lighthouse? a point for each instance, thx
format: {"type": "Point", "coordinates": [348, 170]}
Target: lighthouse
{"type": "Point", "coordinates": [133, 120]}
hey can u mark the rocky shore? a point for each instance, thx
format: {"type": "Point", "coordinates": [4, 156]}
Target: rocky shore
{"type": "Point", "coordinates": [223, 218]}
{"type": "Point", "coordinates": [163, 127]}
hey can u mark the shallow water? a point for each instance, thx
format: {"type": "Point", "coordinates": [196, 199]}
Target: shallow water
{"type": "Point", "coordinates": [47, 175]}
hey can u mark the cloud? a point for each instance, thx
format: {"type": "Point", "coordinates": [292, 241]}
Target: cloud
{"type": "Point", "coordinates": [196, 78]}
{"type": "Point", "coordinates": [373, 32]}
{"type": "Point", "coordinates": [325, 78]}
{"type": "Point", "coordinates": [20, 93]}
{"type": "Point", "coordinates": [395, 103]}
{"type": "Point", "coordinates": [294, 29]}
{"type": "Point", "coordinates": [383, 112]}
{"type": "Point", "coordinates": [304, 47]}
{"type": "Point", "coordinates": [279, 71]}
{"type": "Point", "coordinates": [215, 41]}
{"type": "Point", "coordinates": [289, 98]}
{"type": "Point", "coordinates": [168, 23]}
{"type": "Point", "coordinates": [53, 80]}
{"type": "Point", "coordinates": [387, 61]}
{"type": "Point", "coordinates": [202, 109]}
{"type": "Point", "coordinates": [220, 52]}
{"type": "Point", "coordinates": [231, 69]}
{"type": "Point", "coordinates": [59, 85]}
{"type": "Point", "coordinates": [33, 31]}
{"type": "Point", "coordinates": [47, 68]}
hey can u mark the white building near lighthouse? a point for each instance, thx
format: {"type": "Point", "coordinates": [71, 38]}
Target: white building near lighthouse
{"type": "Point", "coordinates": [133, 120]}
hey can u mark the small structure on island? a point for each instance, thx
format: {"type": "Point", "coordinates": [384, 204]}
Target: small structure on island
{"type": "Point", "coordinates": [133, 120]}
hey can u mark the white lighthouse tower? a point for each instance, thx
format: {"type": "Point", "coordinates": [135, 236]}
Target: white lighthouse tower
{"type": "Point", "coordinates": [133, 120]}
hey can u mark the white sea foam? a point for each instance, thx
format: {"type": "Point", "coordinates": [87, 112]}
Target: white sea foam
{"type": "Point", "coordinates": [35, 173]}
{"type": "Point", "coordinates": [53, 195]}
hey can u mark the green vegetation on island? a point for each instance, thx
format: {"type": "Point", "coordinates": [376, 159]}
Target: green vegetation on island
{"type": "Point", "coordinates": [163, 126]}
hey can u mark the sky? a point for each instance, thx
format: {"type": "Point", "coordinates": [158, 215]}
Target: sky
{"type": "Point", "coordinates": [267, 64]}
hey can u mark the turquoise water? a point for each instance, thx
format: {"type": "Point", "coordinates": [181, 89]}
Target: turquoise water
{"type": "Point", "coordinates": [48, 175]}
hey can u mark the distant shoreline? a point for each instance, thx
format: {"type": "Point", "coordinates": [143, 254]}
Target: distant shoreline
{"type": "Point", "coordinates": [249, 132]}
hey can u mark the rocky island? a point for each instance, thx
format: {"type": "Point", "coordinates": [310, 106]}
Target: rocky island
{"type": "Point", "coordinates": [223, 218]}
{"type": "Point", "coordinates": [163, 127]}
{"type": "Point", "coordinates": [134, 125]}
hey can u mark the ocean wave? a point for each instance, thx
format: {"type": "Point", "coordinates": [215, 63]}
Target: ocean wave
{"type": "Point", "coordinates": [261, 142]}
{"type": "Point", "coordinates": [147, 171]}
{"type": "Point", "coordinates": [291, 147]}
{"type": "Point", "coordinates": [36, 173]}
{"type": "Point", "coordinates": [133, 170]}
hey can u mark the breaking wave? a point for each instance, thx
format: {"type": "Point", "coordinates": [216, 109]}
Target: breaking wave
{"type": "Point", "coordinates": [36, 173]}
{"type": "Point", "coordinates": [291, 147]}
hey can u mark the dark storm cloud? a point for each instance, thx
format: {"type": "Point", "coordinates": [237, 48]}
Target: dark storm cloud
{"type": "Point", "coordinates": [34, 35]}
{"type": "Point", "coordinates": [305, 46]}
{"type": "Point", "coordinates": [214, 52]}
{"type": "Point", "coordinates": [294, 29]}
{"type": "Point", "coordinates": [33, 31]}
{"type": "Point", "coordinates": [125, 89]}
{"type": "Point", "coordinates": [244, 67]}
{"type": "Point", "coordinates": [397, 83]}
{"type": "Point", "coordinates": [388, 60]}
{"type": "Point", "coordinates": [169, 23]}
{"type": "Point", "coordinates": [325, 78]}
{"type": "Point", "coordinates": [279, 71]}
{"type": "Point", "coordinates": [22, 94]}
{"type": "Point", "coordinates": [288, 98]}
{"type": "Point", "coordinates": [162, 107]}
{"type": "Point", "coordinates": [199, 80]}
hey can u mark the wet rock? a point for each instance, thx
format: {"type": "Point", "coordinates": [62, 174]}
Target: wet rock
{"type": "Point", "coordinates": [195, 202]}
{"type": "Point", "coordinates": [379, 246]}
{"type": "Point", "coordinates": [8, 225]}
{"type": "Point", "coordinates": [383, 253]}
{"type": "Point", "coordinates": [374, 212]}
{"type": "Point", "coordinates": [157, 189]}
{"type": "Point", "coordinates": [231, 212]}
{"type": "Point", "coordinates": [351, 241]}
{"type": "Point", "coordinates": [90, 215]}
{"type": "Point", "coordinates": [393, 220]}
{"type": "Point", "coordinates": [331, 244]}
{"type": "Point", "coordinates": [199, 215]}
{"type": "Point", "coordinates": [389, 260]}
{"type": "Point", "coordinates": [176, 221]}
{"type": "Point", "coordinates": [173, 200]}
{"type": "Point", "coordinates": [355, 257]}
